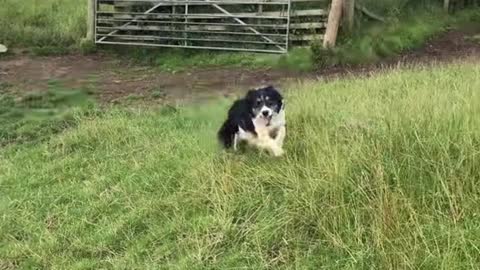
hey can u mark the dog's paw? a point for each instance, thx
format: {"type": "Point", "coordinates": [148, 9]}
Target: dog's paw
{"type": "Point", "coordinates": [278, 152]}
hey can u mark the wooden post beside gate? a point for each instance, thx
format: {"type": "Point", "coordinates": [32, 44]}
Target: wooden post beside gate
{"type": "Point", "coordinates": [91, 21]}
{"type": "Point", "coordinates": [333, 23]}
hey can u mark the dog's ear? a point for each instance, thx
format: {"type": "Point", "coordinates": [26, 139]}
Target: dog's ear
{"type": "Point", "coordinates": [274, 93]}
{"type": "Point", "coordinates": [251, 95]}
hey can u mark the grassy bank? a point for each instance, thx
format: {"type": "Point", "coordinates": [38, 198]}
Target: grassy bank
{"type": "Point", "coordinates": [380, 173]}
{"type": "Point", "coordinates": [57, 27]}
{"type": "Point", "coordinates": [42, 23]}
{"type": "Point", "coordinates": [53, 27]}
{"type": "Point", "coordinates": [408, 31]}
{"type": "Point", "coordinates": [34, 116]}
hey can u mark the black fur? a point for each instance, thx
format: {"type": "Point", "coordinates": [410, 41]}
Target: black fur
{"type": "Point", "coordinates": [239, 115]}
{"type": "Point", "coordinates": [243, 111]}
{"type": "Point", "coordinates": [275, 96]}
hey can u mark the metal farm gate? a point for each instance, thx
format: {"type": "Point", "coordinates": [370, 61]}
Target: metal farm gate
{"type": "Point", "coordinates": [239, 25]}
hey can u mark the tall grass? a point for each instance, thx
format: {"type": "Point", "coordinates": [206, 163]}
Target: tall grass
{"type": "Point", "coordinates": [36, 115]}
{"type": "Point", "coordinates": [409, 31]}
{"type": "Point", "coordinates": [41, 23]}
{"type": "Point", "coordinates": [58, 27]}
{"type": "Point", "coordinates": [393, 8]}
{"type": "Point", "coordinates": [380, 173]}
{"type": "Point", "coordinates": [175, 60]}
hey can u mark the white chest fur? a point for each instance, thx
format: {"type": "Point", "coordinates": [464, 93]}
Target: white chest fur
{"type": "Point", "coordinates": [264, 131]}
{"type": "Point", "coordinates": [265, 138]}
{"type": "Point", "coordinates": [263, 128]}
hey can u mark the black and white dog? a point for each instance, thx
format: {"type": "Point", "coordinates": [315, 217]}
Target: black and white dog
{"type": "Point", "coordinates": [258, 119]}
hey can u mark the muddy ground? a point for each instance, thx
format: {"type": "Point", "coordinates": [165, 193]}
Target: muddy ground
{"type": "Point", "coordinates": [114, 80]}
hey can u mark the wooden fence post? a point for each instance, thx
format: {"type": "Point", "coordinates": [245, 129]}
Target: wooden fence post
{"type": "Point", "coordinates": [91, 20]}
{"type": "Point", "coordinates": [446, 5]}
{"type": "Point", "coordinates": [349, 14]}
{"type": "Point", "coordinates": [333, 23]}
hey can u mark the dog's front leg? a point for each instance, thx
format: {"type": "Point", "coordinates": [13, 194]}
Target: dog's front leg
{"type": "Point", "coordinates": [277, 151]}
{"type": "Point", "coordinates": [282, 132]}
{"type": "Point", "coordinates": [235, 142]}
{"type": "Point", "coordinates": [272, 147]}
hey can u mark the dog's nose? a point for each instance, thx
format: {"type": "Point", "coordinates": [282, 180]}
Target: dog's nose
{"type": "Point", "coordinates": [265, 113]}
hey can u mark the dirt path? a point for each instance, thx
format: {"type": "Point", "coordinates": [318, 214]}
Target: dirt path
{"type": "Point", "coordinates": [114, 79]}
{"type": "Point", "coordinates": [450, 46]}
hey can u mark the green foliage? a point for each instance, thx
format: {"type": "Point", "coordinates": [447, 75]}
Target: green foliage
{"type": "Point", "coordinates": [377, 41]}
{"type": "Point", "coordinates": [37, 115]}
{"type": "Point", "coordinates": [175, 60]}
{"type": "Point", "coordinates": [296, 59]}
{"type": "Point", "coordinates": [56, 27]}
{"type": "Point", "coordinates": [51, 50]}
{"type": "Point", "coordinates": [46, 23]}
{"type": "Point", "coordinates": [395, 8]}
{"type": "Point", "coordinates": [87, 46]}
{"type": "Point", "coordinates": [180, 59]}
{"type": "Point", "coordinates": [387, 8]}
{"type": "Point", "coordinates": [380, 173]}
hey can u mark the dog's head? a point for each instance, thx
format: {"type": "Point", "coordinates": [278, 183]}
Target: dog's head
{"type": "Point", "coordinates": [265, 102]}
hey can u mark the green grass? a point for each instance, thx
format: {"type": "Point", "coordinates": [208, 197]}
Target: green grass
{"type": "Point", "coordinates": [394, 8]}
{"type": "Point", "coordinates": [174, 60]}
{"type": "Point", "coordinates": [177, 60]}
{"type": "Point", "coordinates": [377, 41]}
{"type": "Point", "coordinates": [380, 173]}
{"type": "Point", "coordinates": [56, 27]}
{"type": "Point", "coordinates": [36, 115]}
{"type": "Point", "coordinates": [42, 23]}
{"type": "Point", "coordinates": [410, 24]}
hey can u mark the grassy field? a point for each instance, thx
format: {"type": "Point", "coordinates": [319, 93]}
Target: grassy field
{"type": "Point", "coordinates": [375, 42]}
{"type": "Point", "coordinates": [380, 173]}
{"type": "Point", "coordinates": [50, 27]}
{"type": "Point", "coordinates": [33, 116]}
{"type": "Point", "coordinates": [42, 23]}
{"type": "Point", "coordinates": [53, 27]}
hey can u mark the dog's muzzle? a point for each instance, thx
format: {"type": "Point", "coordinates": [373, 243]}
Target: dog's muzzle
{"type": "Point", "coordinates": [268, 119]}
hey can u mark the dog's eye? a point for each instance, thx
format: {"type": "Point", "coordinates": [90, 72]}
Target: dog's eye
{"type": "Point", "coordinates": [258, 102]}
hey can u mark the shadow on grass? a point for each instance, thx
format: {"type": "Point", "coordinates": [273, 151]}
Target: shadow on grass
{"type": "Point", "coordinates": [36, 115]}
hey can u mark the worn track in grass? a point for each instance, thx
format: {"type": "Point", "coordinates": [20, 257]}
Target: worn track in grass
{"type": "Point", "coordinates": [115, 79]}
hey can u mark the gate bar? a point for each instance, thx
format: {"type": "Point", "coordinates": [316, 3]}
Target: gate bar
{"type": "Point", "coordinates": [243, 23]}
{"type": "Point", "coordinates": [143, 16]}
{"type": "Point", "coordinates": [134, 20]}
{"type": "Point", "coordinates": [191, 47]}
